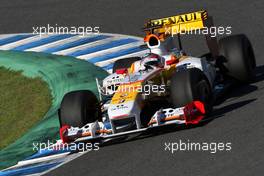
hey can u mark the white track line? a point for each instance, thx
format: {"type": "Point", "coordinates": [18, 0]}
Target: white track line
{"type": "Point", "coordinates": [109, 34]}
{"type": "Point", "coordinates": [107, 62]}
{"type": "Point", "coordinates": [5, 36]}
{"type": "Point", "coordinates": [109, 50]}
{"type": "Point", "coordinates": [67, 160]}
{"type": "Point", "coordinates": [12, 45]}
{"type": "Point", "coordinates": [54, 44]}
{"type": "Point", "coordinates": [87, 45]}
{"type": "Point", "coordinates": [39, 160]}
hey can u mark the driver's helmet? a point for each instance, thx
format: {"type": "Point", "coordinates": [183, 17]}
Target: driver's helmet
{"type": "Point", "coordinates": [152, 59]}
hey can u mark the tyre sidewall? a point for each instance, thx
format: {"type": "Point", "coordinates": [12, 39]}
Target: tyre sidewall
{"type": "Point", "coordinates": [184, 87]}
{"type": "Point", "coordinates": [79, 108]}
{"type": "Point", "coordinates": [239, 59]}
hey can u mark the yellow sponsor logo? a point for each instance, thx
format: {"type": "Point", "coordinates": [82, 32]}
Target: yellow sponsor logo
{"type": "Point", "coordinates": [179, 19]}
{"type": "Point", "coordinates": [125, 93]}
{"type": "Point", "coordinates": [178, 23]}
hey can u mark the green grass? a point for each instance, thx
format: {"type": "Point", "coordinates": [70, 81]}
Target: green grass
{"type": "Point", "coordinates": [23, 102]}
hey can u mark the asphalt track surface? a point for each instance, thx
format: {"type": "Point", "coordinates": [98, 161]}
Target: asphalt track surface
{"type": "Point", "coordinates": [239, 118]}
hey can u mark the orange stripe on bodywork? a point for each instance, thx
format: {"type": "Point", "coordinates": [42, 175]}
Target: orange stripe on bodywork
{"type": "Point", "coordinates": [97, 132]}
{"type": "Point", "coordinates": [178, 117]}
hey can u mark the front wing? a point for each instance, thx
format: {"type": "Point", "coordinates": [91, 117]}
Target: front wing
{"type": "Point", "coordinates": [192, 113]}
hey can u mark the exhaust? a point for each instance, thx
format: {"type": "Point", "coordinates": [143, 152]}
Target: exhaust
{"type": "Point", "coordinates": [152, 41]}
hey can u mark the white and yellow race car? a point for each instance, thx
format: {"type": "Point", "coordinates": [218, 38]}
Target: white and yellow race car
{"type": "Point", "coordinates": [164, 86]}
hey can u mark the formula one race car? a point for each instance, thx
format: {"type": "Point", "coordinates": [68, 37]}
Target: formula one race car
{"type": "Point", "coordinates": [164, 86]}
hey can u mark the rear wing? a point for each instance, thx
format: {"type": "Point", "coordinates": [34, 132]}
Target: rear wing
{"type": "Point", "coordinates": [177, 24]}
{"type": "Point", "coordinates": [169, 26]}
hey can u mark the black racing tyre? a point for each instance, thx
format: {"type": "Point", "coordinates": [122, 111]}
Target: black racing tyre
{"type": "Point", "coordinates": [124, 63]}
{"type": "Point", "coordinates": [190, 85]}
{"type": "Point", "coordinates": [237, 57]}
{"type": "Point", "coordinates": [149, 109]}
{"type": "Point", "coordinates": [146, 114]}
{"type": "Point", "coordinates": [79, 108]}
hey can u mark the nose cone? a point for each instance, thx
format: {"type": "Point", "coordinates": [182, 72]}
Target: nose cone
{"type": "Point", "coordinates": [124, 101]}
{"type": "Point", "coordinates": [122, 110]}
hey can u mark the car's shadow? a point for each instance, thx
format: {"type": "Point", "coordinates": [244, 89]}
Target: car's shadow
{"type": "Point", "coordinates": [230, 96]}
{"type": "Point", "coordinates": [239, 90]}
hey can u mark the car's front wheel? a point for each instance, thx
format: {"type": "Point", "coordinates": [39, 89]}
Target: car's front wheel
{"type": "Point", "coordinates": [79, 108]}
{"type": "Point", "coordinates": [190, 85]}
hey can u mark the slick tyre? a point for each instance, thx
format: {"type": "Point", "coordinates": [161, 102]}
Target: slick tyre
{"type": "Point", "coordinates": [190, 85]}
{"type": "Point", "coordinates": [237, 57]}
{"type": "Point", "coordinates": [79, 108]}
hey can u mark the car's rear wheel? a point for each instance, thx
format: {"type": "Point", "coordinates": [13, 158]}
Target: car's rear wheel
{"type": "Point", "coordinates": [124, 63]}
{"type": "Point", "coordinates": [237, 57]}
{"type": "Point", "coordinates": [190, 85]}
{"type": "Point", "coordinates": [79, 108]}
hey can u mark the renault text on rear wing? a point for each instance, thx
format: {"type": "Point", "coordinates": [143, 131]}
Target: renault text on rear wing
{"type": "Point", "coordinates": [177, 24]}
